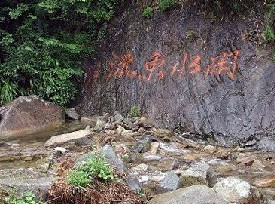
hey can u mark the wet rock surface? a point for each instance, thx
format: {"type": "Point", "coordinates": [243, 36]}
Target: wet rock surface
{"type": "Point", "coordinates": [166, 171]}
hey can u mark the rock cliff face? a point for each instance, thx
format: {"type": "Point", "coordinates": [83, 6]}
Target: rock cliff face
{"type": "Point", "coordinates": [207, 74]}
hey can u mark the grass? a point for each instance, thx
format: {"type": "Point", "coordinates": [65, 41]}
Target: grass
{"type": "Point", "coordinates": [102, 184]}
{"type": "Point", "coordinates": [94, 168]}
{"type": "Point", "coordinates": [26, 198]}
{"type": "Point", "coordinates": [165, 5]}
{"type": "Point", "coordinates": [135, 112]}
{"type": "Point", "coordinates": [148, 12]}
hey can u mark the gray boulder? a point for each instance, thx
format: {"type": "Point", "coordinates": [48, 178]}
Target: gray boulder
{"type": "Point", "coordinates": [198, 173]}
{"type": "Point", "coordinates": [39, 186]}
{"type": "Point", "coordinates": [169, 183]}
{"type": "Point", "coordinates": [100, 124]}
{"type": "Point", "coordinates": [235, 190]}
{"type": "Point", "coordinates": [112, 158]}
{"type": "Point", "coordinates": [118, 117]}
{"type": "Point", "coordinates": [197, 194]}
{"type": "Point", "coordinates": [67, 137]}
{"type": "Point", "coordinates": [71, 114]}
{"type": "Point", "coordinates": [134, 184]}
{"type": "Point", "coordinates": [29, 114]}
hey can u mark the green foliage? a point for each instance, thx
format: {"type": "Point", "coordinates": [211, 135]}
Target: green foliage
{"type": "Point", "coordinates": [135, 112]}
{"type": "Point", "coordinates": [27, 198]}
{"type": "Point", "coordinates": [78, 178]}
{"type": "Point", "coordinates": [268, 32]}
{"type": "Point", "coordinates": [166, 4]}
{"type": "Point", "coordinates": [148, 12]}
{"type": "Point", "coordinates": [42, 45]}
{"type": "Point", "coordinates": [228, 7]}
{"type": "Point", "coordinates": [94, 168]}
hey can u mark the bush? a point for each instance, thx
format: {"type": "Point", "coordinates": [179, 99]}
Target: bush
{"type": "Point", "coordinates": [27, 198]}
{"type": "Point", "coordinates": [135, 112]}
{"type": "Point", "coordinates": [44, 67]}
{"type": "Point", "coordinates": [94, 168]}
{"type": "Point", "coordinates": [166, 4]}
{"type": "Point", "coordinates": [148, 12]}
{"type": "Point", "coordinates": [268, 32]}
{"type": "Point", "coordinates": [78, 178]}
{"type": "Point", "coordinates": [105, 186]}
{"type": "Point", "coordinates": [44, 44]}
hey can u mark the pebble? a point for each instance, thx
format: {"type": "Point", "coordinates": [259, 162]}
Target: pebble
{"type": "Point", "coordinates": [150, 157]}
{"type": "Point", "coordinates": [60, 150]}
{"type": "Point", "coordinates": [154, 147]}
{"type": "Point", "coordinates": [267, 182]}
{"type": "Point", "coordinates": [143, 179]}
{"type": "Point", "coordinates": [169, 147]}
{"type": "Point", "coordinates": [139, 168]}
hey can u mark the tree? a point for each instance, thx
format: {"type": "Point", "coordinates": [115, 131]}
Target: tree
{"type": "Point", "coordinates": [43, 43]}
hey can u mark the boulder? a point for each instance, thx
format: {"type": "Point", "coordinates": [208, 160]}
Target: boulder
{"type": "Point", "coordinates": [27, 115]}
{"type": "Point", "coordinates": [154, 147]}
{"type": "Point", "coordinates": [169, 183]}
{"type": "Point", "coordinates": [163, 133]}
{"type": "Point", "coordinates": [198, 173]}
{"type": "Point", "coordinates": [71, 114]}
{"type": "Point", "coordinates": [39, 186]}
{"type": "Point", "coordinates": [112, 158]}
{"type": "Point", "coordinates": [67, 137]}
{"type": "Point", "coordinates": [91, 121]}
{"type": "Point", "coordinates": [165, 164]}
{"type": "Point", "coordinates": [118, 117]}
{"type": "Point", "coordinates": [198, 194]}
{"type": "Point", "coordinates": [134, 184]}
{"type": "Point", "coordinates": [267, 182]}
{"type": "Point", "coordinates": [235, 190]}
{"type": "Point", "coordinates": [100, 124]}
{"type": "Point", "coordinates": [141, 168]}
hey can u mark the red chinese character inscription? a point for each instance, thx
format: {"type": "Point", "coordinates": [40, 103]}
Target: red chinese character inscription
{"type": "Point", "coordinates": [120, 66]}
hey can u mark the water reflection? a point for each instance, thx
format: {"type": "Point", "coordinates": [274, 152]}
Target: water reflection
{"type": "Point", "coordinates": [46, 134]}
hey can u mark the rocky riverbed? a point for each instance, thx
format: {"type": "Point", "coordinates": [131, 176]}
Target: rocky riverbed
{"type": "Point", "coordinates": [166, 166]}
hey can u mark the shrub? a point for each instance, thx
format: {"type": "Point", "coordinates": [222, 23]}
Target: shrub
{"type": "Point", "coordinates": [268, 32]}
{"type": "Point", "coordinates": [44, 44]}
{"type": "Point", "coordinates": [148, 12]}
{"type": "Point", "coordinates": [135, 112]}
{"type": "Point", "coordinates": [105, 186]}
{"type": "Point", "coordinates": [166, 4]}
{"type": "Point", "coordinates": [94, 168]}
{"type": "Point", "coordinates": [27, 198]}
{"type": "Point", "coordinates": [78, 178]}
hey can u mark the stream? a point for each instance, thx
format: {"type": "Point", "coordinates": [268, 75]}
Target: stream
{"type": "Point", "coordinates": [26, 164]}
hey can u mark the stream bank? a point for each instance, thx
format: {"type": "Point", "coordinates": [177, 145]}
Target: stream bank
{"type": "Point", "coordinates": [155, 160]}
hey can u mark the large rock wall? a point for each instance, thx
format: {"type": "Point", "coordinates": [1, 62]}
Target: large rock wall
{"type": "Point", "coordinates": [208, 75]}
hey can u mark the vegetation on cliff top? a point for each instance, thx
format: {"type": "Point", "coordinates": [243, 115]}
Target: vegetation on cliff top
{"type": "Point", "coordinates": [43, 43]}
